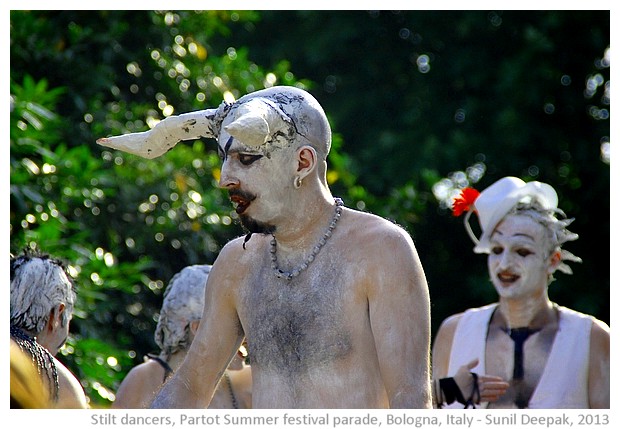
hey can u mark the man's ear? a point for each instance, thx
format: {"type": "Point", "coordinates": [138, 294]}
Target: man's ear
{"type": "Point", "coordinates": [55, 317]}
{"type": "Point", "coordinates": [193, 326]}
{"type": "Point", "coordinates": [554, 261]}
{"type": "Point", "coordinates": [306, 160]}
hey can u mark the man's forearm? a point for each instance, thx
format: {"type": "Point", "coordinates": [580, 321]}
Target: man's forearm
{"type": "Point", "coordinates": [414, 398]}
{"type": "Point", "coordinates": [178, 394]}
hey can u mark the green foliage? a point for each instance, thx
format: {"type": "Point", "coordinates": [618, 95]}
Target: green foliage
{"type": "Point", "coordinates": [421, 103]}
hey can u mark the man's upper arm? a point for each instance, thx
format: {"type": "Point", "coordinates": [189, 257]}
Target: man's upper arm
{"type": "Point", "coordinates": [598, 382]}
{"type": "Point", "coordinates": [442, 346]}
{"type": "Point", "coordinates": [218, 337]}
{"type": "Point", "coordinates": [400, 318]}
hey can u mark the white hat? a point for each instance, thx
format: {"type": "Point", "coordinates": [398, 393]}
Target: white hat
{"type": "Point", "coordinates": [499, 199]}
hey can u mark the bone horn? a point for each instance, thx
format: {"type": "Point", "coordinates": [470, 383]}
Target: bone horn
{"type": "Point", "coordinates": [167, 133]}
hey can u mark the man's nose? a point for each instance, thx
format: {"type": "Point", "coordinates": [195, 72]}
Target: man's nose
{"type": "Point", "coordinates": [227, 178]}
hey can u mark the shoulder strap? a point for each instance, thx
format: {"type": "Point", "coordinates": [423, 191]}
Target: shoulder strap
{"type": "Point", "coordinates": [168, 371]}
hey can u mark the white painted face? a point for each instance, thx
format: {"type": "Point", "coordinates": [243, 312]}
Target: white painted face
{"type": "Point", "coordinates": [259, 178]}
{"type": "Point", "coordinates": [519, 262]}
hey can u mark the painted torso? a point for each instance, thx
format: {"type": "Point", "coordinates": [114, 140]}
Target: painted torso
{"type": "Point", "coordinates": [310, 341]}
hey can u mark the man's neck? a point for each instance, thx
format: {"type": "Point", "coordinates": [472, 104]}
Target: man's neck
{"type": "Point", "coordinates": [306, 226]}
{"type": "Point", "coordinates": [522, 313]}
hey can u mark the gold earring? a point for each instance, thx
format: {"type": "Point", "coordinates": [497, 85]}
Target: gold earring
{"type": "Point", "coordinates": [297, 182]}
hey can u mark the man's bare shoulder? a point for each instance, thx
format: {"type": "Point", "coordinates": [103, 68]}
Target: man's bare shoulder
{"type": "Point", "coordinates": [236, 260]}
{"type": "Point", "coordinates": [139, 384]}
{"type": "Point", "coordinates": [599, 334]}
{"type": "Point", "coordinates": [384, 255]}
{"type": "Point", "coordinates": [149, 369]}
{"type": "Point", "coordinates": [600, 327]}
{"type": "Point", "coordinates": [243, 247]}
{"type": "Point", "coordinates": [449, 324]}
{"type": "Point", "coordinates": [369, 226]}
{"type": "Point", "coordinates": [70, 391]}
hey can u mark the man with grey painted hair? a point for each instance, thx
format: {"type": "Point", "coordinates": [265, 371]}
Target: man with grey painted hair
{"type": "Point", "coordinates": [333, 301]}
{"type": "Point", "coordinates": [179, 319]}
{"type": "Point", "coordinates": [42, 300]}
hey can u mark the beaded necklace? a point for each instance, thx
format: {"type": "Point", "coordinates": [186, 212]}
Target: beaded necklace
{"type": "Point", "coordinates": [289, 275]}
{"type": "Point", "coordinates": [40, 356]}
{"type": "Point", "coordinates": [235, 404]}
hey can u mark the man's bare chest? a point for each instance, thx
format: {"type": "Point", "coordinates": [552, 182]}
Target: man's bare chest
{"type": "Point", "coordinates": [297, 325]}
{"type": "Point", "coordinates": [523, 372]}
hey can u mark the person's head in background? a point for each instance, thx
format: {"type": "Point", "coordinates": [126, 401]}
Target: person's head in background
{"type": "Point", "coordinates": [42, 301]}
{"type": "Point", "coordinates": [181, 310]}
{"type": "Point", "coordinates": [523, 232]}
{"type": "Point", "coordinates": [42, 298]}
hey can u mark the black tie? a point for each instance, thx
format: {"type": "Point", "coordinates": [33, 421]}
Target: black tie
{"type": "Point", "coordinates": [519, 335]}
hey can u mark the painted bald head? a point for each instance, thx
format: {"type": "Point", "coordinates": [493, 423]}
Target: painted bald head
{"type": "Point", "coordinates": [277, 117]}
{"type": "Point", "coordinates": [262, 120]}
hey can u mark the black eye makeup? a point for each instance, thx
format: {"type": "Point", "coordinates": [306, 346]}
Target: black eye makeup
{"type": "Point", "coordinates": [524, 252]}
{"type": "Point", "coordinates": [247, 159]}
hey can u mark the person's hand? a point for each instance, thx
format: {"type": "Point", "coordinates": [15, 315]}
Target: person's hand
{"type": "Point", "coordinates": [490, 387]}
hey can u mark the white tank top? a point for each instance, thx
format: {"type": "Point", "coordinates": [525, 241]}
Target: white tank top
{"type": "Point", "coordinates": [564, 382]}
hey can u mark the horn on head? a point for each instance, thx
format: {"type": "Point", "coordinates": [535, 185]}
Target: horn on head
{"type": "Point", "coordinates": [167, 133]}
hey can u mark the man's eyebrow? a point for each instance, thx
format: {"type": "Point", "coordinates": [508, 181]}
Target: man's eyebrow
{"type": "Point", "coordinates": [226, 147]}
{"type": "Point", "coordinates": [523, 235]}
{"type": "Point", "coordinates": [516, 235]}
{"type": "Point", "coordinates": [228, 144]}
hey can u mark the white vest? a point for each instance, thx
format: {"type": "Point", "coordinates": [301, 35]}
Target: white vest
{"type": "Point", "coordinates": [564, 382]}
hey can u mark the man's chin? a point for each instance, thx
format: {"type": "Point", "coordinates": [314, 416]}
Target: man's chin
{"type": "Point", "coordinates": [256, 227]}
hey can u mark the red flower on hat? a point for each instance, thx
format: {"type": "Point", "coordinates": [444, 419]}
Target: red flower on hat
{"type": "Point", "coordinates": [465, 201]}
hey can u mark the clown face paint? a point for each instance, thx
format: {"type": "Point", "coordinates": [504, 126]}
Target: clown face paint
{"type": "Point", "coordinates": [518, 262]}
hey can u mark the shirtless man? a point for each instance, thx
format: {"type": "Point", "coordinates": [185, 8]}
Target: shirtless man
{"type": "Point", "coordinates": [177, 325]}
{"type": "Point", "coordinates": [333, 301]}
{"type": "Point", "coordinates": [552, 357]}
{"type": "Point", "coordinates": [42, 300]}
